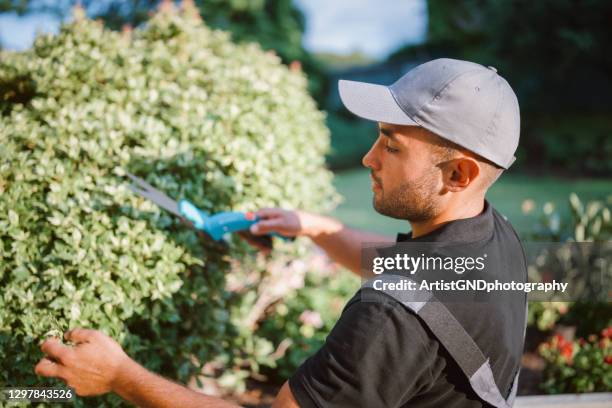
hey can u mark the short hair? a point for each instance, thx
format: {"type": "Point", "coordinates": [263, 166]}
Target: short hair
{"type": "Point", "coordinates": [443, 150]}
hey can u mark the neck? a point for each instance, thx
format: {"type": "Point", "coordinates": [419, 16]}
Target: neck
{"type": "Point", "coordinates": [455, 211]}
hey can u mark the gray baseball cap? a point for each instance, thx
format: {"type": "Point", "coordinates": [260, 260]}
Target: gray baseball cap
{"type": "Point", "coordinates": [461, 101]}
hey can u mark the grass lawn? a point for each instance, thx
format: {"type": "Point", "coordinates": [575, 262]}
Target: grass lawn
{"type": "Point", "coordinates": [506, 195]}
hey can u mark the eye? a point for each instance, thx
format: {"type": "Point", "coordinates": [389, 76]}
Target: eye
{"type": "Point", "coordinates": [391, 149]}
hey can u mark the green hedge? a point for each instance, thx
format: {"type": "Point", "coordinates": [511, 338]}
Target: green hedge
{"type": "Point", "coordinates": [224, 125]}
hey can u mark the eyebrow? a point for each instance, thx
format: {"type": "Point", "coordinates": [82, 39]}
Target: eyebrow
{"type": "Point", "coordinates": [387, 133]}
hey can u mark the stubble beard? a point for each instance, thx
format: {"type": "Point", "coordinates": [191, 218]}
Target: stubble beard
{"type": "Point", "coordinates": [414, 201]}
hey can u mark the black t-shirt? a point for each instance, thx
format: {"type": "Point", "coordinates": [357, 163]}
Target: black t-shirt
{"type": "Point", "coordinates": [379, 354]}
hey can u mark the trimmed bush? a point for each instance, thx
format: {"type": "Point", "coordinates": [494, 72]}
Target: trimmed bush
{"type": "Point", "coordinates": [224, 125]}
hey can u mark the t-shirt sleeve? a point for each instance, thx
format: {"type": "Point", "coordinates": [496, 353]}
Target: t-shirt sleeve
{"type": "Point", "coordinates": [377, 355]}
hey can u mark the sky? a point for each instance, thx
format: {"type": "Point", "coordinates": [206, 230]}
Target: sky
{"type": "Point", "coordinates": [373, 27]}
{"type": "Point", "coordinates": [18, 32]}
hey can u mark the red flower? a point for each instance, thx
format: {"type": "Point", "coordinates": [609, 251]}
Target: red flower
{"type": "Point", "coordinates": [559, 341]}
{"type": "Point", "coordinates": [608, 359]}
{"type": "Point", "coordinates": [567, 351]}
{"type": "Point", "coordinates": [607, 332]}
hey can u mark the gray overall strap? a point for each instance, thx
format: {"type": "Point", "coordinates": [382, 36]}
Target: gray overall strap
{"type": "Point", "coordinates": [451, 334]}
{"type": "Point", "coordinates": [514, 389]}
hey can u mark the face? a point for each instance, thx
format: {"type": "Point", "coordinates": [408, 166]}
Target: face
{"type": "Point", "coordinates": [405, 179]}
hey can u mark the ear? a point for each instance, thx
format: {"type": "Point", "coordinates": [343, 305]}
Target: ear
{"type": "Point", "coordinates": [460, 173]}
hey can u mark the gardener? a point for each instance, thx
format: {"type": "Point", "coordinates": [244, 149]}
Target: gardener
{"type": "Point", "coordinates": [447, 129]}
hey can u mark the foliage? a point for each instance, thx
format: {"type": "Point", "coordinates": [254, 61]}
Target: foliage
{"type": "Point", "coordinates": [275, 24]}
{"type": "Point", "coordinates": [578, 366]}
{"type": "Point", "coordinates": [590, 222]}
{"type": "Point", "coordinates": [224, 125]}
{"type": "Point", "coordinates": [582, 365]}
{"type": "Point", "coordinates": [544, 315]}
{"type": "Point", "coordinates": [572, 143]}
{"type": "Point", "coordinates": [538, 45]}
{"type": "Point", "coordinates": [299, 326]}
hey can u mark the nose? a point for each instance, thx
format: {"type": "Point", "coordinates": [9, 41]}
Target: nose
{"type": "Point", "coordinates": [371, 160]}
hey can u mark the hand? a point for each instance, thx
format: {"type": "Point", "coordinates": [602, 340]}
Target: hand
{"type": "Point", "coordinates": [289, 223]}
{"type": "Point", "coordinates": [90, 367]}
{"type": "Point", "coordinates": [285, 222]}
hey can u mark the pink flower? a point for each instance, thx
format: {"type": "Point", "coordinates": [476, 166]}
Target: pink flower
{"type": "Point", "coordinates": [311, 318]}
{"type": "Point", "coordinates": [295, 66]}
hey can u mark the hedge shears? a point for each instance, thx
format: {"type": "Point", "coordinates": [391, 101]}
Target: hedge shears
{"type": "Point", "coordinates": [215, 226]}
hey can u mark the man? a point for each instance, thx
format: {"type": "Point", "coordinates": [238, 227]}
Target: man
{"type": "Point", "coordinates": [447, 129]}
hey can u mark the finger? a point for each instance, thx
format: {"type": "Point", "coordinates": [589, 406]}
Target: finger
{"type": "Point", "coordinates": [55, 349]}
{"type": "Point", "coordinates": [80, 335]}
{"type": "Point", "coordinates": [266, 226]}
{"type": "Point", "coordinates": [269, 212]}
{"type": "Point", "coordinates": [48, 368]}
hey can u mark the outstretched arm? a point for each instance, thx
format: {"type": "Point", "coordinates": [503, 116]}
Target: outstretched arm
{"type": "Point", "coordinates": [341, 243]}
{"type": "Point", "coordinates": [97, 364]}
{"type": "Point", "coordinates": [146, 389]}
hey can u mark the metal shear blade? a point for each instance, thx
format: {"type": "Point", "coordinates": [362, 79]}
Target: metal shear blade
{"type": "Point", "coordinates": [148, 191]}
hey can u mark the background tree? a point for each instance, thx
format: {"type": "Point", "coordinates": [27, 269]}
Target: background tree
{"type": "Point", "coordinates": [554, 53]}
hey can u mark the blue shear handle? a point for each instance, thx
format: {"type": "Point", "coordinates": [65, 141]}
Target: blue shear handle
{"type": "Point", "coordinates": [224, 222]}
{"type": "Point", "coordinates": [193, 214]}
{"type": "Point", "coordinates": [221, 223]}
{"type": "Point", "coordinates": [216, 225]}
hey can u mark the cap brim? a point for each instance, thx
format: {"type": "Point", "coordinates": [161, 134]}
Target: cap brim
{"type": "Point", "coordinates": [372, 102]}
